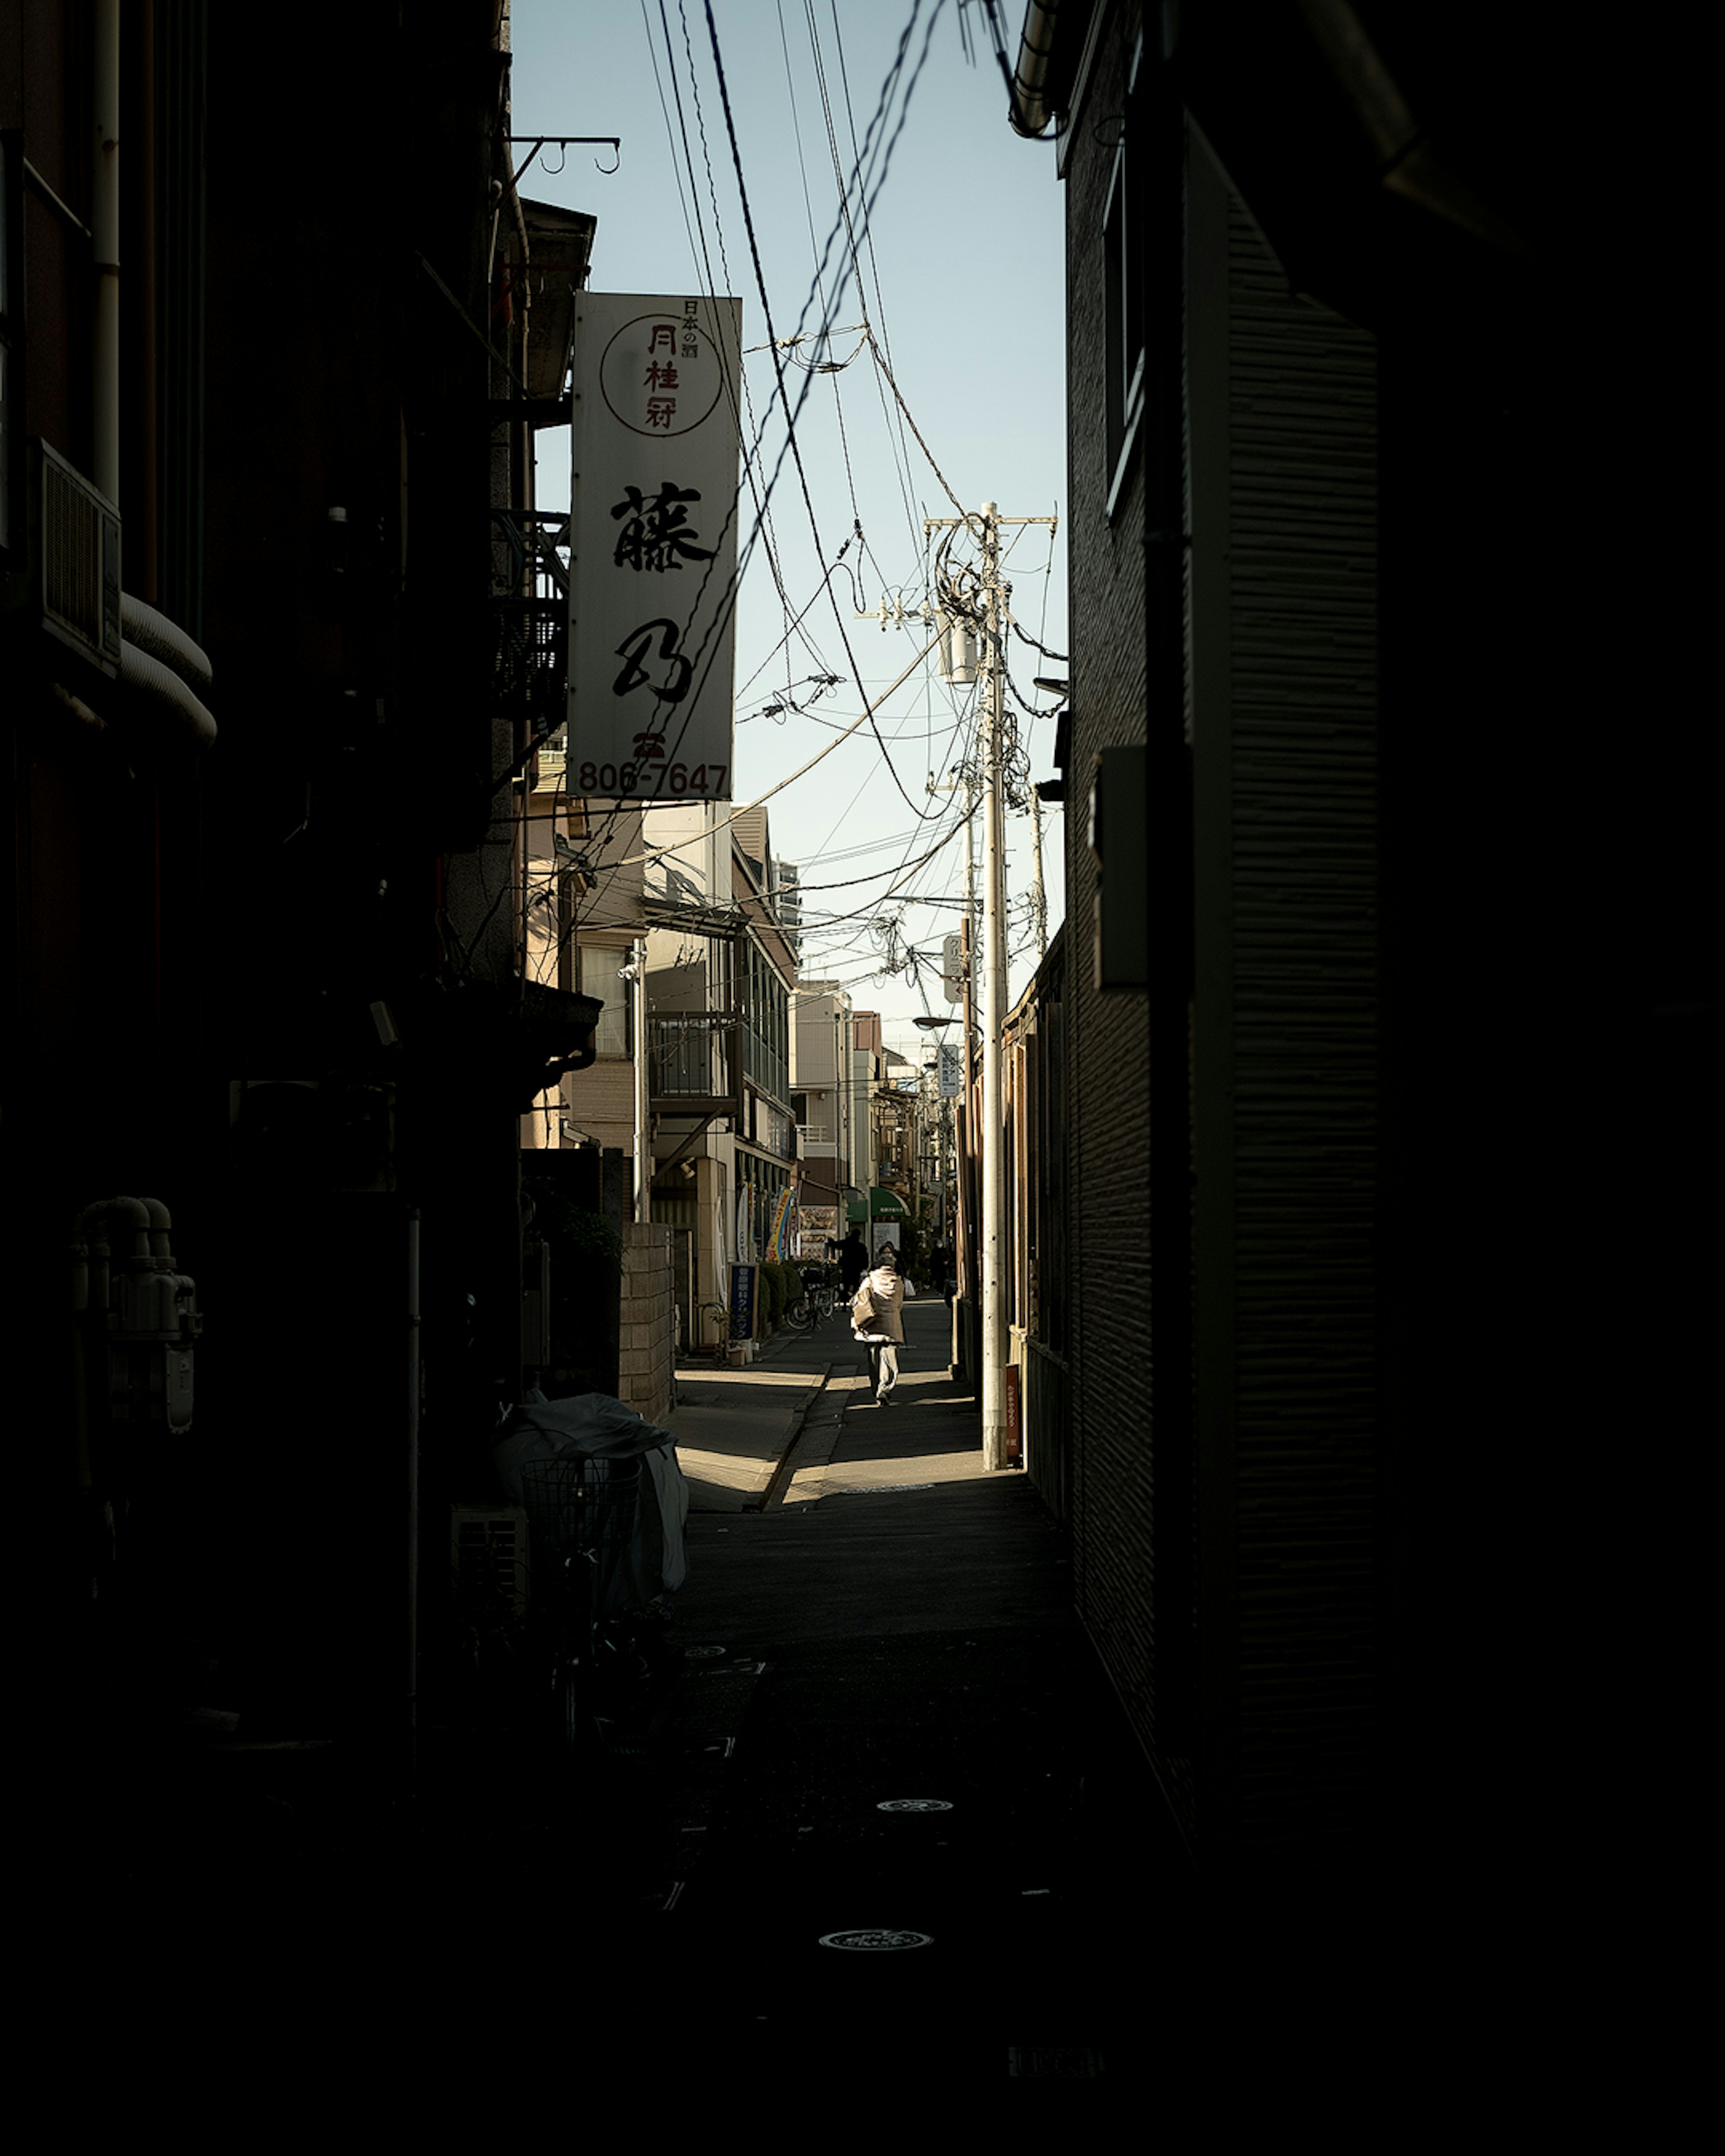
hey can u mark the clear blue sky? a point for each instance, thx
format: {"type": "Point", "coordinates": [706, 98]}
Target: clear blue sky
{"type": "Point", "coordinates": [962, 261]}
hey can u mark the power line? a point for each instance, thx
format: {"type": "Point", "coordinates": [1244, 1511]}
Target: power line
{"type": "Point", "coordinates": [883, 147]}
{"type": "Point", "coordinates": [767, 310]}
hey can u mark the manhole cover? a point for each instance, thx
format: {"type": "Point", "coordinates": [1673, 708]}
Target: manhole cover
{"type": "Point", "coordinates": [876, 1942]}
{"type": "Point", "coordinates": [913, 1805]}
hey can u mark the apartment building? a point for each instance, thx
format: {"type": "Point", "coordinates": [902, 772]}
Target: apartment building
{"type": "Point", "coordinates": [719, 980]}
{"type": "Point", "coordinates": [823, 1095]}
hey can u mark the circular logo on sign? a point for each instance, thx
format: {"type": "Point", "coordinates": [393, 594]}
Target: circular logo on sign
{"type": "Point", "coordinates": [876, 1942]}
{"type": "Point", "coordinates": [913, 1805]}
{"type": "Point", "coordinates": [661, 376]}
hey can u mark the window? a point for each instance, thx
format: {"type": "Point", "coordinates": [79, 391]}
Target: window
{"type": "Point", "coordinates": [599, 964]}
{"type": "Point", "coordinates": [12, 285]}
{"type": "Point", "coordinates": [1123, 285]}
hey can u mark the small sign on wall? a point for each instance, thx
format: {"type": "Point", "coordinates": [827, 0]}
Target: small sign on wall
{"type": "Point", "coordinates": [745, 1300]}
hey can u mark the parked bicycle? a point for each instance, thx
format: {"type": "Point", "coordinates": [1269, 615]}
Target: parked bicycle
{"type": "Point", "coordinates": [582, 1514]}
{"type": "Point", "coordinates": [818, 1300]}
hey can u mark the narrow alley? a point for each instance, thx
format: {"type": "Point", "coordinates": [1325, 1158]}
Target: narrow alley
{"type": "Point", "coordinates": [890, 1791]}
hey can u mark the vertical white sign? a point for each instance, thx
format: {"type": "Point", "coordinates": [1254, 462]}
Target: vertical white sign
{"type": "Point", "coordinates": [952, 967]}
{"type": "Point", "coordinates": [652, 545]}
{"type": "Point", "coordinates": [952, 1069]}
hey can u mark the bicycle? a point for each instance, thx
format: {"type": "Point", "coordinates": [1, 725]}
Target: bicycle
{"type": "Point", "coordinates": [816, 1303]}
{"type": "Point", "coordinates": [582, 1514]}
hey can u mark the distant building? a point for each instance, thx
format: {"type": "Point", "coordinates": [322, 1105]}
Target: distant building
{"type": "Point", "coordinates": [823, 1093]}
{"type": "Point", "coordinates": [720, 974]}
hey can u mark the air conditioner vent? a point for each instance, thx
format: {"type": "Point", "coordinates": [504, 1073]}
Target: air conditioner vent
{"type": "Point", "coordinates": [488, 1552]}
{"type": "Point", "coordinates": [77, 560]}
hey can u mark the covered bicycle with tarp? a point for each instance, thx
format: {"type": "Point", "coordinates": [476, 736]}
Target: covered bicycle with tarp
{"type": "Point", "coordinates": [606, 1504]}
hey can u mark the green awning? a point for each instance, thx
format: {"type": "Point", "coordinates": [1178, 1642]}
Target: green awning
{"type": "Point", "coordinates": [857, 1213]}
{"type": "Point", "coordinates": [887, 1205]}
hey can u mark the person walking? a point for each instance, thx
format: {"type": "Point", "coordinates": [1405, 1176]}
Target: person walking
{"type": "Point", "coordinates": [876, 1322]}
{"type": "Point", "coordinates": [853, 1261]}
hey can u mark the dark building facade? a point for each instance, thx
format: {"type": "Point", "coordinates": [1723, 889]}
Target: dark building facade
{"type": "Point", "coordinates": [264, 960]}
{"type": "Point", "coordinates": [1384, 988]}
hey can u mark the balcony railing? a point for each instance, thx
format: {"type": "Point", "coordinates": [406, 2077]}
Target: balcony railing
{"type": "Point", "coordinates": [774, 1130]}
{"type": "Point", "coordinates": [530, 607]}
{"type": "Point", "coordinates": [692, 1060]}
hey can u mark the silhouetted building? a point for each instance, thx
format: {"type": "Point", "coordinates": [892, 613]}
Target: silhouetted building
{"type": "Point", "coordinates": [1389, 883]}
{"type": "Point", "coordinates": [274, 681]}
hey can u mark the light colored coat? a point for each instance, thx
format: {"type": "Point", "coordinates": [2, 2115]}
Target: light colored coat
{"type": "Point", "coordinates": [883, 1291]}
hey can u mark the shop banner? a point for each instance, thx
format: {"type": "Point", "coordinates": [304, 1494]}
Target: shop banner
{"type": "Point", "coordinates": [780, 1243]}
{"type": "Point", "coordinates": [652, 545]}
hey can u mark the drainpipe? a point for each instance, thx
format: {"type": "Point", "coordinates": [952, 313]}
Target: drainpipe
{"type": "Point", "coordinates": [1029, 110]}
{"type": "Point", "coordinates": [104, 238]}
{"type": "Point", "coordinates": [644, 1118]}
{"type": "Point", "coordinates": [412, 1672]}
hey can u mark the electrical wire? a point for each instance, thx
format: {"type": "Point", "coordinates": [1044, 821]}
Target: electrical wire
{"type": "Point", "coordinates": [884, 146]}
{"type": "Point", "coordinates": [879, 351]}
{"type": "Point", "coordinates": [766, 311]}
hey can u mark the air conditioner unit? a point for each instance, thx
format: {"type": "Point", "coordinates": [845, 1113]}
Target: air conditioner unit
{"type": "Point", "coordinates": [488, 1554]}
{"type": "Point", "coordinates": [73, 570]}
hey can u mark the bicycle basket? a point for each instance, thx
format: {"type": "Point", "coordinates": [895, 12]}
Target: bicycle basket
{"type": "Point", "coordinates": [583, 1507]}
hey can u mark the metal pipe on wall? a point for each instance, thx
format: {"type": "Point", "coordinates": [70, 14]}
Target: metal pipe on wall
{"type": "Point", "coordinates": [105, 248]}
{"type": "Point", "coordinates": [643, 1115]}
{"type": "Point", "coordinates": [412, 1638]}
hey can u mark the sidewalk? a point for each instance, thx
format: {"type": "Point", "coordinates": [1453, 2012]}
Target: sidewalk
{"type": "Point", "coordinates": [734, 1427]}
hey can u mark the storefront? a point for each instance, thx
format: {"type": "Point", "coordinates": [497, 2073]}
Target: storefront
{"type": "Point", "coordinates": [881, 1216]}
{"type": "Point", "coordinates": [765, 1203]}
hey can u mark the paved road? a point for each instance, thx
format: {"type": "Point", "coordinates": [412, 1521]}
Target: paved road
{"type": "Point", "coordinates": [887, 1822]}
{"type": "Point", "coordinates": [891, 1734]}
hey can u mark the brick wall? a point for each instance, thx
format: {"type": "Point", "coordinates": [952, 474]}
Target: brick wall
{"type": "Point", "coordinates": [1222, 1508]}
{"type": "Point", "coordinates": [647, 1348]}
{"type": "Point", "coordinates": [1108, 1103]}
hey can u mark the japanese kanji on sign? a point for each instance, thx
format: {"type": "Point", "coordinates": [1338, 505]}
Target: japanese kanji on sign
{"type": "Point", "coordinates": [653, 559]}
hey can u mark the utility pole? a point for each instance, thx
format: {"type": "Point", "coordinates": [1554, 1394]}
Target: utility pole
{"type": "Point", "coordinates": [994, 1006]}
{"type": "Point", "coordinates": [967, 781]}
{"type": "Point", "coordinates": [1039, 903]}
{"type": "Point", "coordinates": [986, 528]}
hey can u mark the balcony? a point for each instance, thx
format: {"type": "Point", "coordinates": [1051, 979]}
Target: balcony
{"type": "Point", "coordinates": [693, 1065]}
{"type": "Point", "coordinates": [772, 1129]}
